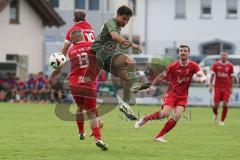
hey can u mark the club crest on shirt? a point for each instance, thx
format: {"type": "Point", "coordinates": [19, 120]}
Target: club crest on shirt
{"type": "Point", "coordinates": [179, 70]}
{"type": "Point", "coordinates": [183, 79]}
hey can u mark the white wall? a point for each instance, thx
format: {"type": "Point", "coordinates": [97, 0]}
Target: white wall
{"type": "Point", "coordinates": [25, 38]}
{"type": "Point", "coordinates": [163, 28]}
{"type": "Point", "coordinates": [66, 4]}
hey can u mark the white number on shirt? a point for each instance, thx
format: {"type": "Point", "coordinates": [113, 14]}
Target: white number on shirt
{"type": "Point", "coordinates": [90, 37]}
{"type": "Point", "coordinates": [83, 60]}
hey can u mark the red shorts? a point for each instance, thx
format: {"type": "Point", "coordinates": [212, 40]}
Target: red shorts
{"type": "Point", "coordinates": [221, 94]}
{"type": "Point", "coordinates": [84, 96]}
{"type": "Point", "coordinates": [173, 101]}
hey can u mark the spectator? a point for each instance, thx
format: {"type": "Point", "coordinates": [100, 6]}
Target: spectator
{"type": "Point", "coordinates": [30, 93]}
{"type": "Point", "coordinates": [19, 91]}
{"type": "Point", "coordinates": [2, 92]}
{"type": "Point", "coordinates": [41, 87]}
{"type": "Point", "coordinates": [9, 86]}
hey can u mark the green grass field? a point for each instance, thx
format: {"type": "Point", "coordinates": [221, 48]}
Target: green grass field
{"type": "Point", "coordinates": [32, 131]}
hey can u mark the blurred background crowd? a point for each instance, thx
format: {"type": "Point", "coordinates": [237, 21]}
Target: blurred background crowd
{"type": "Point", "coordinates": [35, 89]}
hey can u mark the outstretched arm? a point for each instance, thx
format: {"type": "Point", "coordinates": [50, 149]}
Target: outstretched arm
{"type": "Point", "coordinates": [231, 83]}
{"type": "Point", "coordinates": [159, 78]}
{"type": "Point", "coordinates": [201, 78]}
{"type": "Point", "coordinates": [65, 48]}
{"type": "Point", "coordinates": [53, 75]}
{"type": "Point", "coordinates": [121, 40]}
{"type": "Point", "coordinates": [211, 82]}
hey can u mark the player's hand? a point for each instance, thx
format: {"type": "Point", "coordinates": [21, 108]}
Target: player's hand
{"type": "Point", "coordinates": [134, 46]}
{"type": "Point", "coordinates": [210, 89]}
{"type": "Point", "coordinates": [150, 90]}
{"type": "Point", "coordinates": [200, 80]}
{"type": "Point", "coordinates": [52, 77]}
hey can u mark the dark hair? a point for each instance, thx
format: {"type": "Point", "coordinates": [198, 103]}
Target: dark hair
{"type": "Point", "coordinates": [185, 46]}
{"type": "Point", "coordinates": [124, 10]}
{"type": "Point", "coordinates": [79, 15]}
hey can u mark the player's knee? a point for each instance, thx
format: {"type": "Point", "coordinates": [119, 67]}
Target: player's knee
{"type": "Point", "coordinates": [165, 114]}
{"type": "Point", "coordinates": [130, 60]}
{"type": "Point", "coordinates": [78, 110]}
{"type": "Point", "coordinates": [177, 116]}
{"type": "Point", "coordinates": [225, 105]}
{"type": "Point", "coordinates": [91, 114]}
{"type": "Point", "coordinates": [215, 106]}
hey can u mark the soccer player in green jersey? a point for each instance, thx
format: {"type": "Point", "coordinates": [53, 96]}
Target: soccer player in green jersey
{"type": "Point", "coordinates": [111, 48]}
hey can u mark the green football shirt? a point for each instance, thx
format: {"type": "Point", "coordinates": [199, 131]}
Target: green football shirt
{"type": "Point", "coordinates": [104, 45]}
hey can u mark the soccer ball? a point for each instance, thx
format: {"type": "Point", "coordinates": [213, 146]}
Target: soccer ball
{"type": "Point", "coordinates": [56, 60]}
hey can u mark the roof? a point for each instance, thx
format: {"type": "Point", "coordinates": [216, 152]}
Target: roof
{"type": "Point", "coordinates": [3, 4]}
{"type": "Point", "coordinates": [48, 15]}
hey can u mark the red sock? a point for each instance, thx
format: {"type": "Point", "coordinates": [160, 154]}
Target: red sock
{"type": "Point", "coordinates": [80, 125]}
{"type": "Point", "coordinates": [224, 113]}
{"type": "Point", "coordinates": [215, 111]}
{"type": "Point", "coordinates": [96, 133]}
{"type": "Point", "coordinates": [167, 127]}
{"type": "Point", "coordinates": [153, 116]}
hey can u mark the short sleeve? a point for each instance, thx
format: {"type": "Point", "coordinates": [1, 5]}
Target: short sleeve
{"type": "Point", "coordinates": [67, 38]}
{"type": "Point", "coordinates": [197, 68]}
{"type": "Point", "coordinates": [111, 26]}
{"type": "Point", "coordinates": [168, 71]}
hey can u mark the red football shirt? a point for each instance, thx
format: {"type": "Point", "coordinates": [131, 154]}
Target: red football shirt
{"type": "Point", "coordinates": [179, 78]}
{"type": "Point", "coordinates": [83, 61]}
{"type": "Point", "coordinates": [85, 27]}
{"type": "Point", "coordinates": [223, 74]}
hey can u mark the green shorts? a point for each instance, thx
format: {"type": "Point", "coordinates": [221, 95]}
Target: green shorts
{"type": "Point", "coordinates": [105, 61]}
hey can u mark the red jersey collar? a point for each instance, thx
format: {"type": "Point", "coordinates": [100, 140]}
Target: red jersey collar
{"type": "Point", "coordinates": [183, 65]}
{"type": "Point", "coordinates": [223, 63]}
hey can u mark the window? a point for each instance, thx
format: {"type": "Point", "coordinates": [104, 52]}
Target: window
{"type": "Point", "coordinates": [109, 6]}
{"type": "Point", "coordinates": [215, 47]}
{"type": "Point", "coordinates": [180, 7]}
{"type": "Point", "coordinates": [54, 3]}
{"type": "Point", "coordinates": [14, 12]}
{"type": "Point", "coordinates": [206, 9]}
{"type": "Point", "coordinates": [232, 8]}
{"type": "Point", "coordinates": [80, 4]}
{"type": "Point", "coordinates": [94, 4]}
{"type": "Point", "coordinates": [12, 57]}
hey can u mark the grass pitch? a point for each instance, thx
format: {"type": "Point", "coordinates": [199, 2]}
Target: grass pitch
{"type": "Point", "coordinates": [32, 131]}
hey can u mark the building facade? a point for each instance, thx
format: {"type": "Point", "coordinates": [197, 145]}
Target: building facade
{"type": "Point", "coordinates": [22, 32]}
{"type": "Point", "coordinates": [208, 26]}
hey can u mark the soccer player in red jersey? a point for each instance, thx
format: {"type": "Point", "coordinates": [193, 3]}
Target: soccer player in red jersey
{"type": "Point", "coordinates": [178, 75]}
{"type": "Point", "coordinates": [83, 89]}
{"type": "Point", "coordinates": [40, 85]}
{"type": "Point", "coordinates": [81, 24]}
{"type": "Point", "coordinates": [222, 70]}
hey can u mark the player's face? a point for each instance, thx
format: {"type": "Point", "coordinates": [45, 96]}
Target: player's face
{"type": "Point", "coordinates": [223, 57]}
{"type": "Point", "coordinates": [123, 20]}
{"type": "Point", "coordinates": [77, 39]}
{"type": "Point", "coordinates": [183, 53]}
